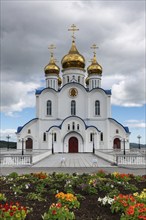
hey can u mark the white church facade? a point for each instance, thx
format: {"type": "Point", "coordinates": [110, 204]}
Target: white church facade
{"type": "Point", "coordinates": [73, 111]}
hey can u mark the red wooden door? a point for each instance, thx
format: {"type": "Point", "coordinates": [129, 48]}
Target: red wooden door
{"type": "Point", "coordinates": [73, 145]}
{"type": "Point", "coordinates": [117, 143]}
{"type": "Point", "coordinates": [29, 144]}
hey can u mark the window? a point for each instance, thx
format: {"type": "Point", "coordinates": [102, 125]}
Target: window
{"type": "Point", "coordinates": [101, 136]}
{"type": "Point", "coordinates": [117, 131]}
{"type": "Point", "coordinates": [73, 107]}
{"type": "Point", "coordinates": [73, 126]}
{"type": "Point", "coordinates": [67, 78]}
{"type": "Point", "coordinates": [78, 127]}
{"type": "Point", "coordinates": [44, 136]}
{"type": "Point", "coordinates": [78, 79]}
{"type": "Point", "coordinates": [68, 127]}
{"type": "Point", "coordinates": [91, 137]}
{"type": "Point", "coordinates": [55, 137]}
{"type": "Point", "coordinates": [29, 131]}
{"type": "Point", "coordinates": [49, 107]}
{"type": "Point", "coordinates": [97, 107]}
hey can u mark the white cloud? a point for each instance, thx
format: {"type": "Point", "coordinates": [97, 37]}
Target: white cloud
{"type": "Point", "coordinates": [136, 123]}
{"type": "Point", "coordinates": [16, 96]}
{"type": "Point", "coordinates": [5, 132]}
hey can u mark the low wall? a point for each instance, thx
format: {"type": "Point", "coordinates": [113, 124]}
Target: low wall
{"type": "Point", "coordinates": [108, 157]}
{"type": "Point", "coordinates": [37, 158]}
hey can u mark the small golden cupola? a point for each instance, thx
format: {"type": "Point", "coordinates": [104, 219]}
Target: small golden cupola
{"type": "Point", "coordinates": [52, 67]}
{"type": "Point", "coordinates": [73, 59]}
{"type": "Point", "coordinates": [94, 68]}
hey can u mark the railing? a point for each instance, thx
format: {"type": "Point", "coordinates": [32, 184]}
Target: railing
{"type": "Point", "coordinates": [131, 159]}
{"type": "Point", "coordinates": [15, 160]}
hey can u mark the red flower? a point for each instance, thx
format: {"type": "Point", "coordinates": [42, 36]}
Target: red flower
{"type": "Point", "coordinates": [142, 217]}
{"type": "Point", "coordinates": [130, 210]}
{"type": "Point", "coordinates": [54, 212]}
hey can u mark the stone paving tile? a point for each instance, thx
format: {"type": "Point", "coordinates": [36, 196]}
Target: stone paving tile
{"type": "Point", "coordinates": [71, 160]}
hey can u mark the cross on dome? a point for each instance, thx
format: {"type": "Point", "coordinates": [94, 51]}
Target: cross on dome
{"type": "Point", "coordinates": [73, 29]}
{"type": "Point", "coordinates": [94, 47]}
{"type": "Point", "coordinates": [51, 48]}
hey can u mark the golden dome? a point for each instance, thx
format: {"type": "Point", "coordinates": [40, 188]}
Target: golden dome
{"type": "Point", "coordinates": [73, 59]}
{"type": "Point", "coordinates": [87, 81]}
{"type": "Point", "coordinates": [51, 68]}
{"type": "Point", "coordinates": [94, 68]}
{"type": "Point", "coordinates": [59, 80]}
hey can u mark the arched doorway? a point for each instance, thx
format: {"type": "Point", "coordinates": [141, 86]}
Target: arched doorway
{"type": "Point", "coordinates": [29, 144]}
{"type": "Point", "coordinates": [73, 145]}
{"type": "Point", "coordinates": [117, 143]}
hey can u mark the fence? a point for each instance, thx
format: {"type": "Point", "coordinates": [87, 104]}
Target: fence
{"type": "Point", "coordinates": [131, 159]}
{"type": "Point", "coordinates": [15, 160]}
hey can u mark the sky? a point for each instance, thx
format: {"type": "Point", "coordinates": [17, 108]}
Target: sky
{"type": "Point", "coordinates": [116, 27]}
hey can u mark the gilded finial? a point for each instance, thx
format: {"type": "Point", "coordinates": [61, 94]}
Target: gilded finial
{"type": "Point", "coordinates": [73, 29]}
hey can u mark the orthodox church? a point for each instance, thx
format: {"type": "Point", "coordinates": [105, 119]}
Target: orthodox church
{"type": "Point", "coordinates": [73, 111]}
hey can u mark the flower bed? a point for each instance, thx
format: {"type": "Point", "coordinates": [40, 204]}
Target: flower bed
{"type": "Point", "coordinates": [39, 196]}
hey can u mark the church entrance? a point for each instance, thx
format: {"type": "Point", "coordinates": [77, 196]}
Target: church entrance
{"type": "Point", "coordinates": [73, 145]}
{"type": "Point", "coordinates": [117, 143]}
{"type": "Point", "coordinates": [29, 144]}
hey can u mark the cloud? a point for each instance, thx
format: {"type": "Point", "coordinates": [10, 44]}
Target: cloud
{"type": "Point", "coordinates": [136, 123]}
{"type": "Point", "coordinates": [17, 96]}
{"type": "Point", "coordinates": [5, 132]}
{"type": "Point", "coordinates": [28, 27]}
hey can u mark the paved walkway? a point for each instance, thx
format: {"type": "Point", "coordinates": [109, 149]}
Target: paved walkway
{"type": "Point", "coordinates": [72, 160]}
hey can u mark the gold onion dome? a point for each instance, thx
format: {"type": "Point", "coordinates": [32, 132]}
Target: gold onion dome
{"type": "Point", "coordinates": [94, 68]}
{"type": "Point", "coordinates": [52, 68]}
{"type": "Point", "coordinates": [87, 81]}
{"type": "Point", "coordinates": [59, 80]}
{"type": "Point", "coordinates": [73, 59]}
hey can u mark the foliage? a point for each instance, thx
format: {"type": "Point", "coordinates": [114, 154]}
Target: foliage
{"type": "Point", "coordinates": [2, 197]}
{"type": "Point", "coordinates": [68, 200]}
{"type": "Point", "coordinates": [13, 211]}
{"type": "Point", "coordinates": [58, 212]}
{"type": "Point", "coordinates": [130, 208]}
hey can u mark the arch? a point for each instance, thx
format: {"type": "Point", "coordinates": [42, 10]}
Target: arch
{"type": "Point", "coordinates": [117, 144]}
{"type": "Point", "coordinates": [29, 144]}
{"type": "Point", "coordinates": [73, 145]}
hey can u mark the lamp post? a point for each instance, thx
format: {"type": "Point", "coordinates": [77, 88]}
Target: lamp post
{"type": "Point", "coordinates": [8, 137]}
{"type": "Point", "coordinates": [22, 148]}
{"type": "Point", "coordinates": [93, 143]}
{"type": "Point", "coordinates": [22, 152]}
{"type": "Point", "coordinates": [52, 142]}
{"type": "Point", "coordinates": [124, 150]}
{"type": "Point", "coordinates": [139, 137]}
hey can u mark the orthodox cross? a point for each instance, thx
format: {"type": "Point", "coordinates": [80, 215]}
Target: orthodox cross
{"type": "Point", "coordinates": [73, 29]}
{"type": "Point", "coordinates": [51, 48]}
{"type": "Point", "coordinates": [94, 47]}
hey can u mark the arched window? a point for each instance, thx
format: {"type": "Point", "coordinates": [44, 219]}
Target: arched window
{"type": "Point", "coordinates": [78, 127]}
{"type": "Point", "coordinates": [73, 107]}
{"type": "Point", "coordinates": [49, 107]}
{"type": "Point", "coordinates": [101, 136]}
{"type": "Point", "coordinates": [78, 79]}
{"type": "Point", "coordinates": [73, 126]}
{"type": "Point", "coordinates": [44, 136]}
{"type": "Point", "coordinates": [97, 107]}
{"type": "Point", "coordinates": [68, 126]}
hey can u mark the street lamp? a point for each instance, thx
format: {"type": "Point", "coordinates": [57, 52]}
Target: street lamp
{"type": "Point", "coordinates": [139, 141]}
{"type": "Point", "coordinates": [93, 142]}
{"type": "Point", "coordinates": [52, 142]}
{"type": "Point", "coordinates": [123, 140]}
{"type": "Point", "coordinates": [8, 137]}
{"type": "Point", "coordinates": [22, 149]}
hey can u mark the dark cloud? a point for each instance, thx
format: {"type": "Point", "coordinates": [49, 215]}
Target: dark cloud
{"type": "Point", "coordinates": [28, 27]}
